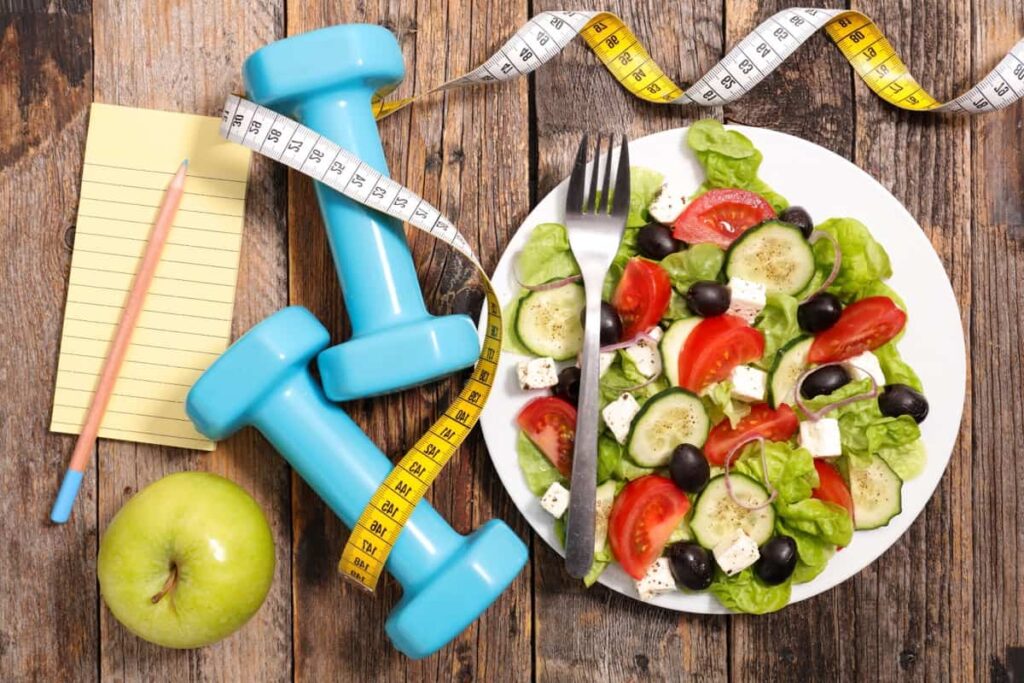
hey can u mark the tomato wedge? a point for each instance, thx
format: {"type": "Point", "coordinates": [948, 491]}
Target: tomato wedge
{"type": "Point", "coordinates": [832, 487]}
{"type": "Point", "coordinates": [862, 326]}
{"type": "Point", "coordinates": [644, 515]}
{"type": "Point", "coordinates": [641, 296]}
{"type": "Point", "coordinates": [720, 216]}
{"type": "Point", "coordinates": [550, 423]}
{"type": "Point", "coordinates": [774, 425]}
{"type": "Point", "coordinates": [714, 348]}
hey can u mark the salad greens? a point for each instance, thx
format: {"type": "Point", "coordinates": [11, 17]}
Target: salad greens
{"type": "Point", "coordinates": [752, 361]}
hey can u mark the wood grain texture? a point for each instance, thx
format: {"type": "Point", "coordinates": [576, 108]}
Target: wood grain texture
{"type": "Point", "coordinates": [48, 596]}
{"type": "Point", "coordinates": [596, 634]}
{"type": "Point", "coordinates": [480, 182]}
{"type": "Point", "coordinates": [162, 68]}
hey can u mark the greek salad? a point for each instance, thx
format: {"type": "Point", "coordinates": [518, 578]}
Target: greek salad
{"type": "Point", "coordinates": [756, 411]}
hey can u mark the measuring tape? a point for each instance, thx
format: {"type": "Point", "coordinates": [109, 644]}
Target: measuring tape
{"type": "Point", "coordinates": [757, 55]}
{"type": "Point", "coordinates": [542, 38]}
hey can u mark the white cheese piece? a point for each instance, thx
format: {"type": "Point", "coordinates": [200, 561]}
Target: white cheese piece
{"type": "Point", "coordinates": [603, 502]}
{"type": "Point", "coordinates": [747, 298]}
{"type": "Point", "coordinates": [537, 373]}
{"type": "Point", "coordinates": [669, 203]}
{"type": "Point", "coordinates": [748, 383]}
{"type": "Point", "coordinates": [645, 354]}
{"type": "Point", "coordinates": [619, 414]}
{"type": "Point", "coordinates": [863, 366]}
{"type": "Point", "coordinates": [657, 580]}
{"type": "Point", "coordinates": [555, 500]}
{"type": "Point", "coordinates": [736, 553]}
{"type": "Point", "coordinates": [605, 361]}
{"type": "Point", "coordinates": [821, 438]}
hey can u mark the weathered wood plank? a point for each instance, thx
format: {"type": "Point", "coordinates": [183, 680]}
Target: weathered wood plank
{"type": "Point", "coordinates": [997, 328]}
{"type": "Point", "coordinates": [810, 96]}
{"type": "Point", "coordinates": [438, 149]}
{"type": "Point", "coordinates": [164, 67]}
{"type": "Point", "coordinates": [48, 627]}
{"type": "Point", "coordinates": [596, 634]}
{"type": "Point", "coordinates": [924, 160]}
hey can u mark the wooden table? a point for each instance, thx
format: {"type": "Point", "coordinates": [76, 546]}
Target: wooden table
{"type": "Point", "coordinates": [944, 603]}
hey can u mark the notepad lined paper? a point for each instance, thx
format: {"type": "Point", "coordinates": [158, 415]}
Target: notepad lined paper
{"type": "Point", "coordinates": [130, 156]}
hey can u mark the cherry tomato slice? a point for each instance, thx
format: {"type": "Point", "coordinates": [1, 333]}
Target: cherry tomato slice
{"type": "Point", "coordinates": [641, 296]}
{"type": "Point", "coordinates": [644, 515]}
{"type": "Point", "coordinates": [714, 348]}
{"type": "Point", "coordinates": [550, 423]}
{"type": "Point", "coordinates": [773, 425]}
{"type": "Point", "coordinates": [832, 487]}
{"type": "Point", "coordinates": [862, 326]}
{"type": "Point", "coordinates": [720, 216]}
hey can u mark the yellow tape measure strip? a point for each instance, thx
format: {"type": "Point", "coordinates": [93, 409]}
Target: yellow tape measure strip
{"type": "Point", "coordinates": [747, 64]}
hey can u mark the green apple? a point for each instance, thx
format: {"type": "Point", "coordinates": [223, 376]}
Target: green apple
{"type": "Point", "coordinates": [186, 561]}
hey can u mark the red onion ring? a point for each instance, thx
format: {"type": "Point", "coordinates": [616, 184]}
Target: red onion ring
{"type": "Point", "coordinates": [543, 287]}
{"type": "Point", "coordinates": [764, 470]}
{"type": "Point", "coordinates": [815, 415]}
{"type": "Point", "coordinates": [837, 261]}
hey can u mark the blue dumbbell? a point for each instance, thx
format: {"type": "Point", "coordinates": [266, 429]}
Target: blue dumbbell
{"type": "Point", "coordinates": [326, 79]}
{"type": "Point", "coordinates": [264, 380]}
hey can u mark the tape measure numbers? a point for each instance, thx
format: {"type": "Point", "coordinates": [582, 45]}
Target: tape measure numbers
{"type": "Point", "coordinates": [541, 39]}
{"type": "Point", "coordinates": [743, 67]}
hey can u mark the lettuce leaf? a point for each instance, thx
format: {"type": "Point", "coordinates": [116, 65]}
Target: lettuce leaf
{"type": "Point", "coordinates": [777, 322]}
{"type": "Point", "coordinates": [864, 261]}
{"type": "Point", "coordinates": [828, 522]}
{"type": "Point", "coordinates": [813, 553]}
{"type": "Point", "coordinates": [644, 185]}
{"type": "Point", "coordinates": [895, 369]}
{"type": "Point", "coordinates": [790, 469]}
{"type": "Point", "coordinates": [537, 469]}
{"type": "Point", "coordinates": [699, 262]}
{"type": "Point", "coordinates": [729, 159]}
{"type": "Point", "coordinates": [744, 592]}
{"type": "Point", "coordinates": [906, 461]}
{"type": "Point", "coordinates": [719, 403]}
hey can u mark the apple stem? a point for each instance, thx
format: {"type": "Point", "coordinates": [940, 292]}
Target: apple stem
{"type": "Point", "coordinates": [168, 585]}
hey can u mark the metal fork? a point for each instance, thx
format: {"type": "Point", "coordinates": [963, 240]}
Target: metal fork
{"type": "Point", "coordinates": [595, 229]}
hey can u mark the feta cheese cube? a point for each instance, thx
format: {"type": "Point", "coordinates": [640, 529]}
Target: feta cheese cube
{"type": "Point", "coordinates": [657, 580]}
{"type": "Point", "coordinates": [605, 361]}
{"type": "Point", "coordinates": [619, 414]}
{"type": "Point", "coordinates": [748, 298]}
{"type": "Point", "coordinates": [537, 373]}
{"type": "Point", "coordinates": [863, 366]}
{"type": "Point", "coordinates": [669, 203]}
{"type": "Point", "coordinates": [748, 383]}
{"type": "Point", "coordinates": [821, 438]}
{"type": "Point", "coordinates": [555, 500]}
{"type": "Point", "coordinates": [736, 553]}
{"type": "Point", "coordinates": [646, 355]}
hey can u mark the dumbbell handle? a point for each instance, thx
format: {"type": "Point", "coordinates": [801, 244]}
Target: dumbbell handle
{"type": "Point", "coordinates": [333, 455]}
{"type": "Point", "coordinates": [370, 252]}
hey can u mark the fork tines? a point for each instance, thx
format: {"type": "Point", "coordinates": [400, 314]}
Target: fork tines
{"type": "Point", "coordinates": [620, 197]}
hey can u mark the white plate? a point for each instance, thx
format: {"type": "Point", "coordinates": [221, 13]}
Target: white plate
{"type": "Point", "coordinates": [827, 185]}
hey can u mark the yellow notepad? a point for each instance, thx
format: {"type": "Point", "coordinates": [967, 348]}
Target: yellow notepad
{"type": "Point", "coordinates": [130, 156]}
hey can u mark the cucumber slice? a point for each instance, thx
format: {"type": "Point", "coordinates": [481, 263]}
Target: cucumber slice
{"type": "Point", "coordinates": [548, 321]}
{"type": "Point", "coordinates": [876, 493]}
{"type": "Point", "coordinates": [605, 497]}
{"type": "Point", "coordinates": [790, 363]}
{"type": "Point", "coordinates": [668, 419]}
{"type": "Point", "coordinates": [672, 345]}
{"type": "Point", "coordinates": [774, 254]}
{"type": "Point", "coordinates": [716, 517]}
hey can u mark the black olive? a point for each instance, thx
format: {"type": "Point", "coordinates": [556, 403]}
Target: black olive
{"type": "Point", "coordinates": [611, 324]}
{"type": "Point", "coordinates": [691, 565]}
{"type": "Point", "coordinates": [819, 313]}
{"type": "Point", "coordinates": [655, 241]}
{"type": "Point", "coordinates": [899, 399]}
{"type": "Point", "coordinates": [689, 468]}
{"type": "Point", "coordinates": [708, 298]}
{"type": "Point", "coordinates": [798, 216]}
{"type": "Point", "coordinates": [824, 381]}
{"type": "Point", "coordinates": [568, 387]}
{"type": "Point", "coordinates": [777, 561]}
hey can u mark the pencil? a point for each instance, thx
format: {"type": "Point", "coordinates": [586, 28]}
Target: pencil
{"type": "Point", "coordinates": [112, 365]}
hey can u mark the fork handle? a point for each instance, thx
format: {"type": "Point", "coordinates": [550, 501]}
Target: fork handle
{"type": "Point", "coordinates": [579, 537]}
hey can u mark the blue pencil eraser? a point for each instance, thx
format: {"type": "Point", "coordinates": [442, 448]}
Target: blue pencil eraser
{"type": "Point", "coordinates": [66, 496]}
